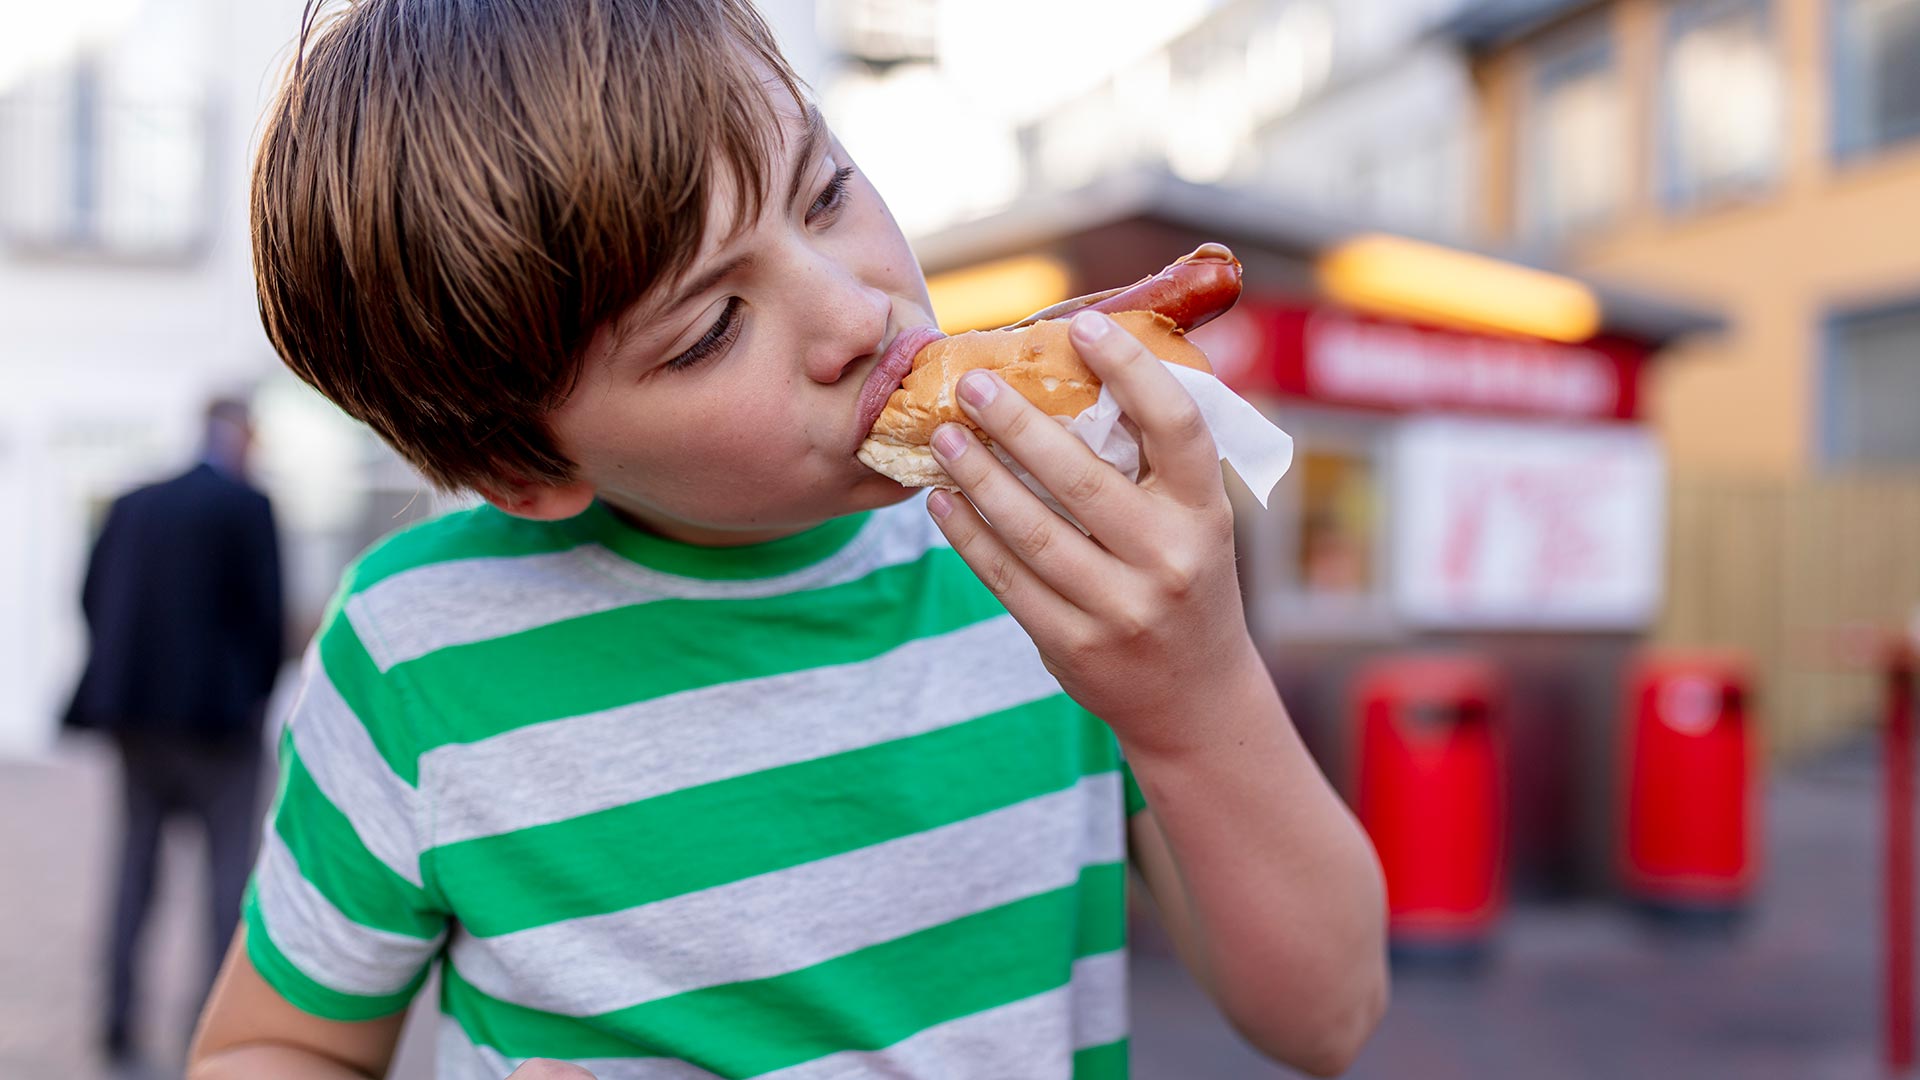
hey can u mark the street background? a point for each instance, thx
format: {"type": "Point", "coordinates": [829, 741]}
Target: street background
{"type": "Point", "coordinates": [1596, 324]}
{"type": "Point", "coordinates": [1578, 990]}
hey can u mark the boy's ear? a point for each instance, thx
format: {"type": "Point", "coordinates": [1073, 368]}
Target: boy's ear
{"type": "Point", "coordinates": [540, 502]}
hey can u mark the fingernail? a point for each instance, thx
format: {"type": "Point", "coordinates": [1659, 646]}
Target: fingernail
{"type": "Point", "coordinates": [940, 504]}
{"type": "Point", "coordinates": [1091, 325]}
{"type": "Point", "coordinates": [977, 389]}
{"type": "Point", "coordinates": [949, 443]}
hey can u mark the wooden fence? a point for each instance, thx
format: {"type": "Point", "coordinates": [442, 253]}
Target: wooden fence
{"type": "Point", "coordinates": [1798, 576]}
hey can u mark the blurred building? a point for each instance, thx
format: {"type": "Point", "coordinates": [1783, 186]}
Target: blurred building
{"type": "Point", "coordinates": [1752, 157]}
{"type": "Point", "coordinates": [1473, 469]}
{"type": "Point", "coordinates": [1763, 155]}
{"type": "Point", "coordinates": [1740, 157]}
{"type": "Point", "coordinates": [126, 300]}
{"type": "Point", "coordinates": [1355, 109]}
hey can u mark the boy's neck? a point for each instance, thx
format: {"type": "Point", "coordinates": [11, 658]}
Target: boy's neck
{"type": "Point", "coordinates": [701, 536]}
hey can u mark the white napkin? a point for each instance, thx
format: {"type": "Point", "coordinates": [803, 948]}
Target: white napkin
{"type": "Point", "coordinates": [1256, 447]}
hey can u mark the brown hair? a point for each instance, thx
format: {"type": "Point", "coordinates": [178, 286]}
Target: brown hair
{"type": "Point", "coordinates": [452, 195]}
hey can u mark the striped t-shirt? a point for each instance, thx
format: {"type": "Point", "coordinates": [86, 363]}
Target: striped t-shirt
{"type": "Point", "coordinates": [811, 808]}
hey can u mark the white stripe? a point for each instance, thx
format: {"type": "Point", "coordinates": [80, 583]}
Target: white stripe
{"type": "Point", "coordinates": [1027, 1038]}
{"type": "Point", "coordinates": [458, 1057]}
{"type": "Point", "coordinates": [1099, 999]}
{"type": "Point", "coordinates": [321, 941]}
{"type": "Point", "coordinates": [462, 601]}
{"type": "Point", "coordinates": [349, 770]}
{"type": "Point", "coordinates": [779, 922]}
{"type": "Point", "coordinates": [560, 769]}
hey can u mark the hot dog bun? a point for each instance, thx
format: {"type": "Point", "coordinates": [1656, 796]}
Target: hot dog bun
{"type": "Point", "coordinates": [1036, 360]}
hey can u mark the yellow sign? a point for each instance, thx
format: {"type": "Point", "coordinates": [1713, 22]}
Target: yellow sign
{"type": "Point", "coordinates": [1391, 275]}
{"type": "Point", "coordinates": [997, 293]}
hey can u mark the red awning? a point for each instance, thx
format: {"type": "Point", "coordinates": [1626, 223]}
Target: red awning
{"type": "Point", "coordinates": [1287, 348]}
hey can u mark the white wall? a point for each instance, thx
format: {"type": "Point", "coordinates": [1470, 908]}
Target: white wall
{"type": "Point", "coordinates": [1392, 148]}
{"type": "Point", "coordinates": [1353, 107]}
{"type": "Point", "coordinates": [105, 365]}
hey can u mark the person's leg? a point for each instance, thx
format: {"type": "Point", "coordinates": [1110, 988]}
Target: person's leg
{"type": "Point", "coordinates": [228, 805]}
{"type": "Point", "coordinates": [142, 811]}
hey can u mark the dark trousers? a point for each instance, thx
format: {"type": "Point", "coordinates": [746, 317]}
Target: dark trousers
{"type": "Point", "coordinates": [218, 787]}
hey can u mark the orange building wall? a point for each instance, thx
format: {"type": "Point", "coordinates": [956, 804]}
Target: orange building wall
{"type": "Point", "coordinates": [1827, 236]}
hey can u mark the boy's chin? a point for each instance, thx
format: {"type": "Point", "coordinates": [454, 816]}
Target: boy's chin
{"type": "Point", "coordinates": [878, 489]}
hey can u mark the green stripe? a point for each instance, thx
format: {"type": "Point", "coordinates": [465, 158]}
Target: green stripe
{"type": "Point", "coordinates": [302, 992]}
{"type": "Point", "coordinates": [1108, 1062]}
{"type": "Point", "coordinates": [615, 658]}
{"type": "Point", "coordinates": [738, 828]}
{"type": "Point", "coordinates": [865, 1000]}
{"type": "Point", "coordinates": [332, 858]}
{"type": "Point", "coordinates": [479, 532]}
{"type": "Point", "coordinates": [380, 702]}
{"type": "Point", "coordinates": [739, 562]}
{"type": "Point", "coordinates": [1100, 920]}
{"type": "Point", "coordinates": [485, 532]}
{"type": "Point", "coordinates": [1136, 801]}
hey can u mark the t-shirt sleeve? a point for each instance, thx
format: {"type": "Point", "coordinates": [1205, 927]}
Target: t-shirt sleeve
{"type": "Point", "coordinates": [1136, 802]}
{"type": "Point", "coordinates": [339, 918]}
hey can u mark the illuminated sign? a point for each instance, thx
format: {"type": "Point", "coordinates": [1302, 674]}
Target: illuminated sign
{"type": "Point", "coordinates": [1338, 357]}
{"type": "Point", "coordinates": [1499, 525]}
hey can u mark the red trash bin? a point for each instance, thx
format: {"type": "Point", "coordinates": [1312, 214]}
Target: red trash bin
{"type": "Point", "coordinates": [1689, 841]}
{"type": "Point", "coordinates": [1431, 792]}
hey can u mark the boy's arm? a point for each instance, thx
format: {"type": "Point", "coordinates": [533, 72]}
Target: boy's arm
{"type": "Point", "coordinates": [1268, 883]}
{"type": "Point", "coordinates": [248, 1030]}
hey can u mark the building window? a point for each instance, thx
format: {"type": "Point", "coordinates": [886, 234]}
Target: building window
{"type": "Point", "coordinates": [1722, 107]}
{"type": "Point", "coordinates": [881, 33]}
{"type": "Point", "coordinates": [110, 152]}
{"type": "Point", "coordinates": [1873, 381]}
{"type": "Point", "coordinates": [1574, 139]}
{"type": "Point", "coordinates": [1338, 524]}
{"type": "Point", "coordinates": [1877, 73]}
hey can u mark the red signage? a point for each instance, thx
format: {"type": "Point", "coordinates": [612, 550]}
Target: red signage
{"type": "Point", "coordinates": [1339, 357]}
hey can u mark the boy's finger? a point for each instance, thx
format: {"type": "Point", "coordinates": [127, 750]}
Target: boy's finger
{"type": "Point", "coordinates": [1064, 558]}
{"type": "Point", "coordinates": [1173, 433]}
{"type": "Point", "coordinates": [1031, 601]}
{"type": "Point", "coordinates": [1094, 492]}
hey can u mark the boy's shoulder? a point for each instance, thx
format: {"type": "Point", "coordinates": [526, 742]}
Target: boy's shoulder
{"type": "Point", "coordinates": [410, 562]}
{"type": "Point", "coordinates": [480, 574]}
{"type": "Point", "coordinates": [476, 532]}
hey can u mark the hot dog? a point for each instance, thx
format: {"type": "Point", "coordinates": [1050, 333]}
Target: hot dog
{"type": "Point", "coordinates": [1035, 358]}
{"type": "Point", "coordinates": [1191, 291]}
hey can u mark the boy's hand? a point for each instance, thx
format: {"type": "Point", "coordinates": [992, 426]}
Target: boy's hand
{"type": "Point", "coordinates": [1135, 617]}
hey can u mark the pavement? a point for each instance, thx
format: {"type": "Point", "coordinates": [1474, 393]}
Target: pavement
{"type": "Point", "coordinates": [1570, 990]}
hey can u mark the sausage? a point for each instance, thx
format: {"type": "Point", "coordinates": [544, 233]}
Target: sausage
{"type": "Point", "coordinates": [1191, 291]}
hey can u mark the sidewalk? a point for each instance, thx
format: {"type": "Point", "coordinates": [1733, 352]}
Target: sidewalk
{"type": "Point", "coordinates": [1579, 991]}
{"type": "Point", "coordinates": [1585, 992]}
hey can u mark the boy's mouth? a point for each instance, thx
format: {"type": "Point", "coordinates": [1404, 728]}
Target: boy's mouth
{"type": "Point", "coordinates": [885, 377]}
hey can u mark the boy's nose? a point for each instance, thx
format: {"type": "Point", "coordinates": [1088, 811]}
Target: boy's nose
{"type": "Point", "coordinates": [852, 336]}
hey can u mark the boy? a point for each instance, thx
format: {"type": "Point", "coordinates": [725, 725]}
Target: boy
{"type": "Point", "coordinates": [699, 751]}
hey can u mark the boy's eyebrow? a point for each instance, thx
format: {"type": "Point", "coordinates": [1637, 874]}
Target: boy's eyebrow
{"type": "Point", "coordinates": [811, 138]}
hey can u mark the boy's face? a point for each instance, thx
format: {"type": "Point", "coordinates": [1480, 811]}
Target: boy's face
{"type": "Point", "coordinates": [756, 439]}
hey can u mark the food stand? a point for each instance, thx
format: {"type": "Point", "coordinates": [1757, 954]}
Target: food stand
{"type": "Point", "coordinates": [1456, 485]}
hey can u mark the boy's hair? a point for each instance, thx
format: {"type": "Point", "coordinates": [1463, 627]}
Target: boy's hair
{"type": "Point", "coordinates": [451, 196]}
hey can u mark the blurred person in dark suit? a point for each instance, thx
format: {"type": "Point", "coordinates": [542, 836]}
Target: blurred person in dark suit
{"type": "Point", "coordinates": [183, 608]}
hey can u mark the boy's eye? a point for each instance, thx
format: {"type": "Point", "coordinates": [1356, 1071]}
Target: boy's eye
{"type": "Point", "coordinates": [712, 342]}
{"type": "Point", "coordinates": [833, 196]}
